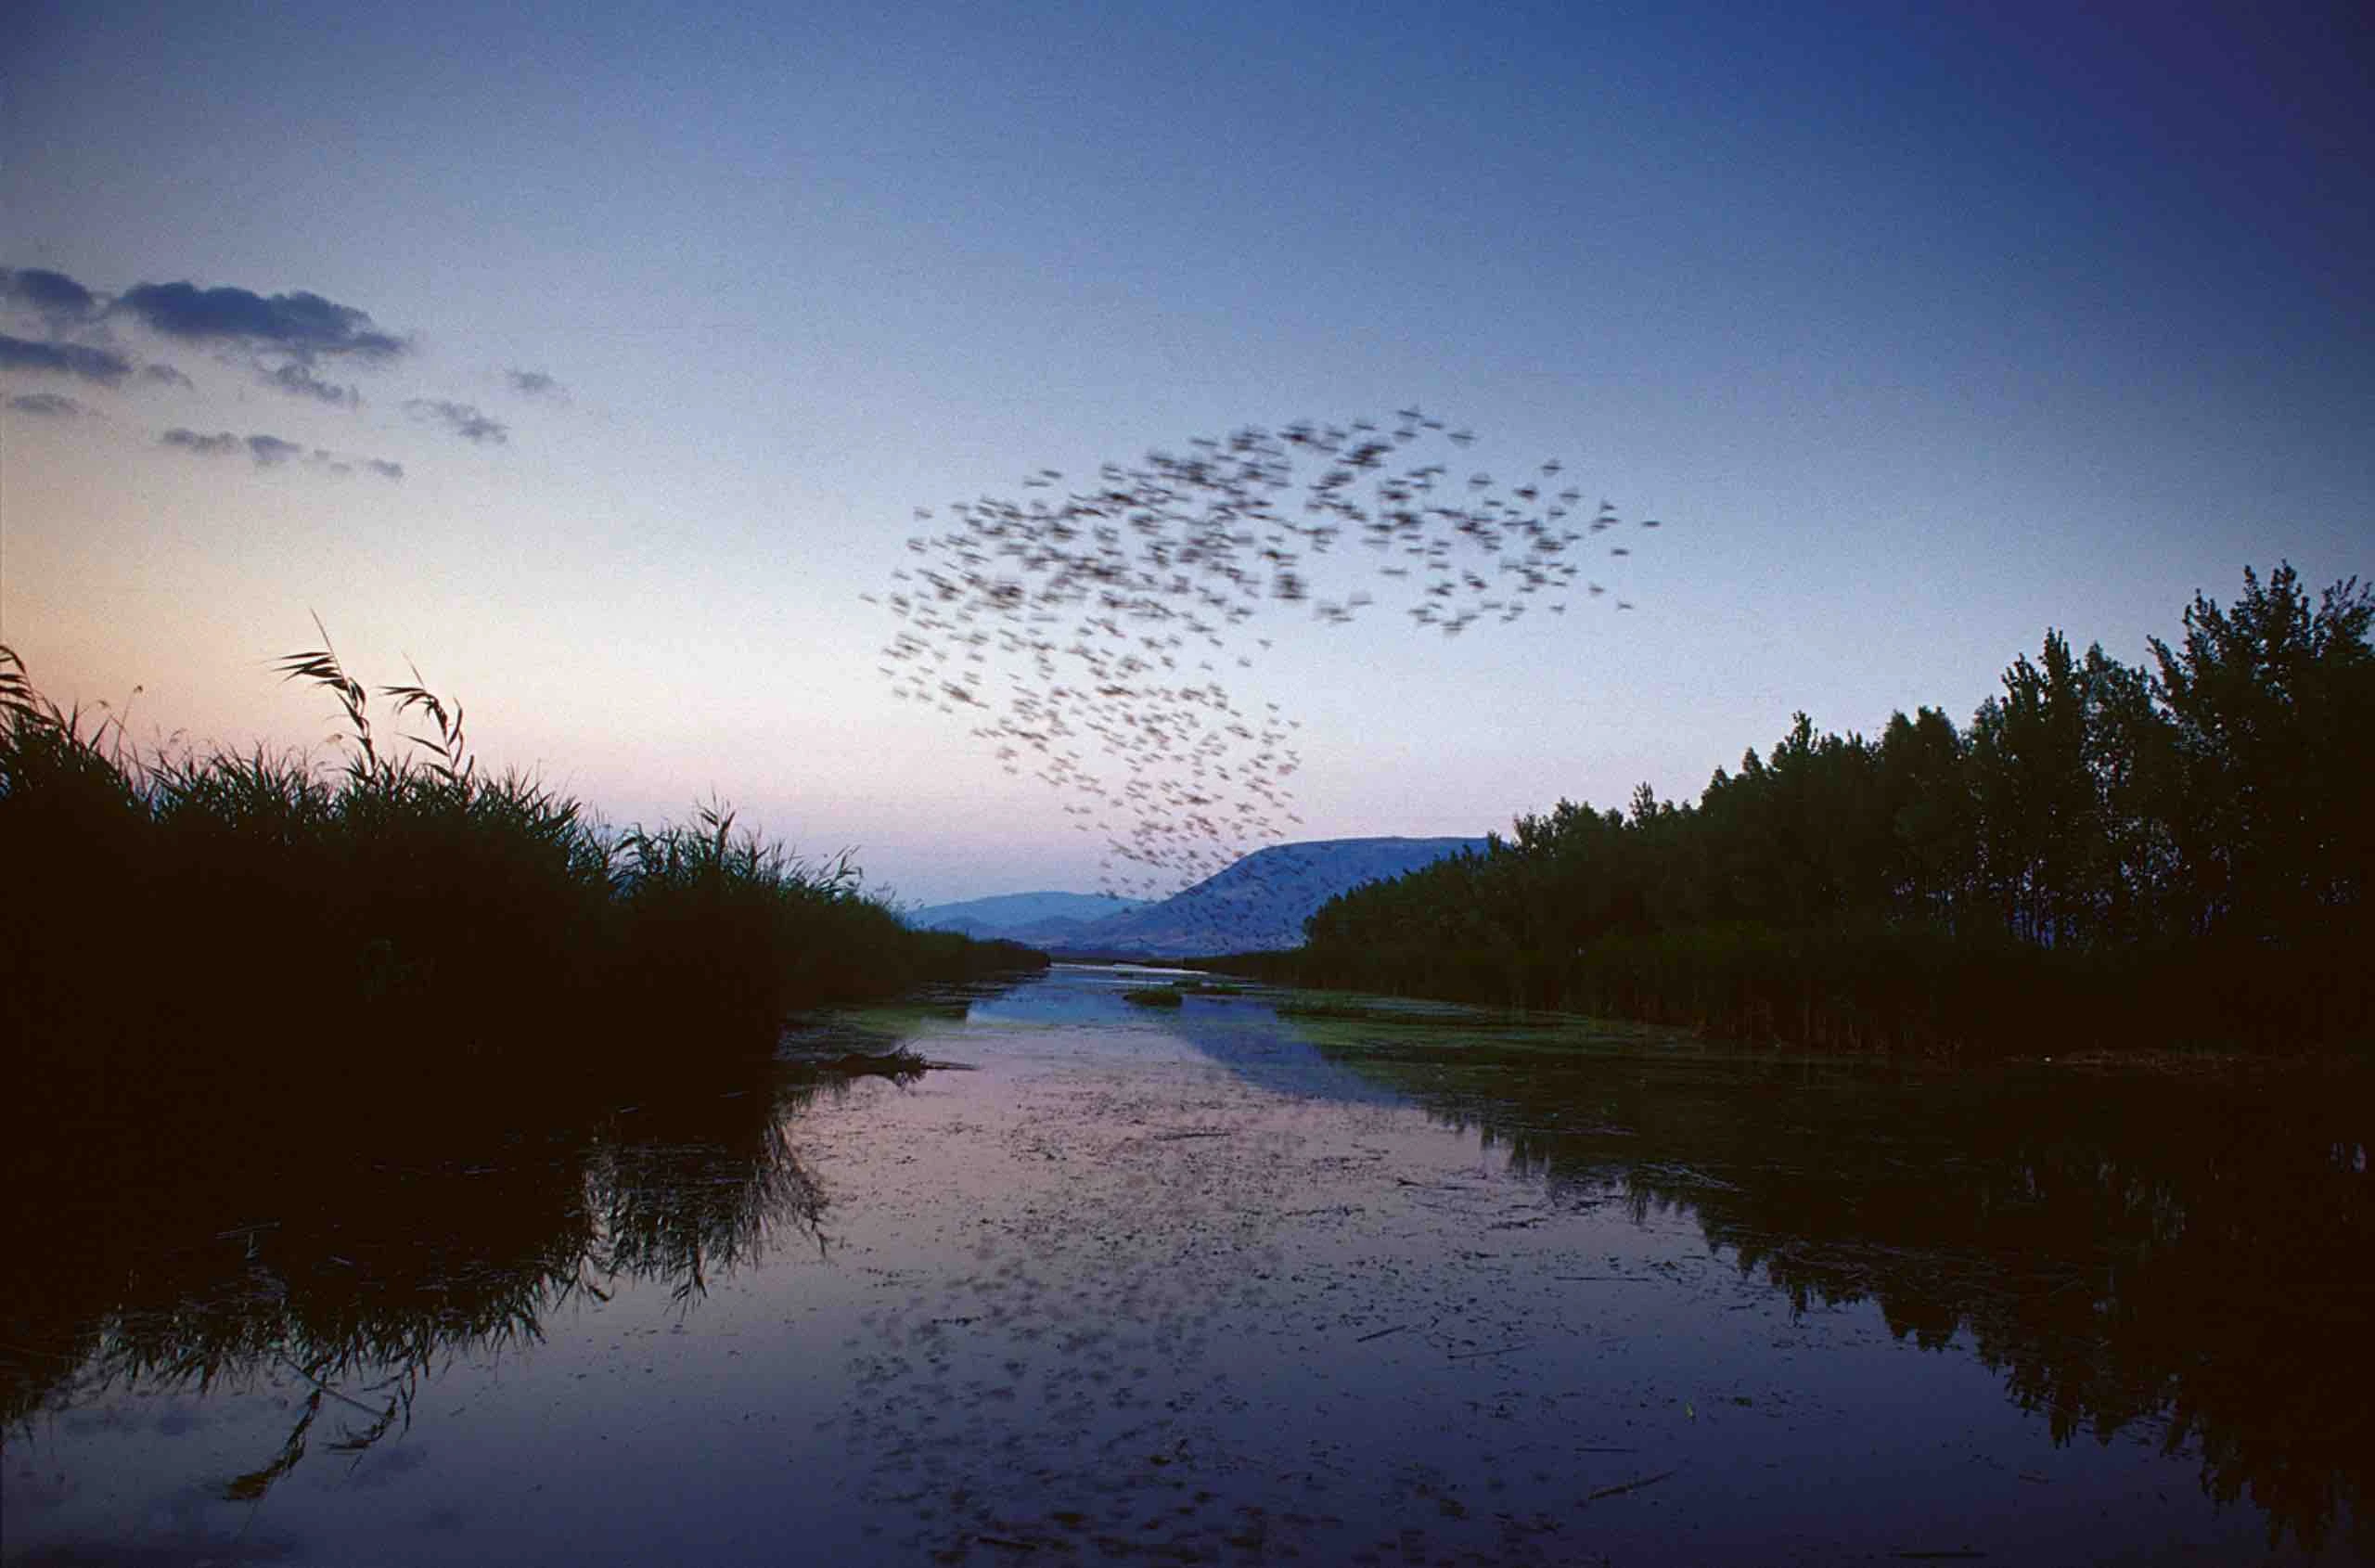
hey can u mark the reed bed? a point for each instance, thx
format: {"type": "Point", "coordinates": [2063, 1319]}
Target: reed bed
{"type": "Point", "coordinates": [197, 930]}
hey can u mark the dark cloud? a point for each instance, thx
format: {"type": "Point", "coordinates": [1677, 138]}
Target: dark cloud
{"type": "Point", "coordinates": [52, 293]}
{"type": "Point", "coordinates": [286, 336]}
{"type": "Point", "coordinates": [105, 366]}
{"type": "Point", "coordinates": [300, 324]}
{"type": "Point", "coordinates": [464, 419]}
{"type": "Point", "coordinates": [49, 406]}
{"type": "Point", "coordinates": [298, 379]}
{"type": "Point", "coordinates": [535, 384]}
{"type": "Point", "coordinates": [270, 452]}
{"type": "Point", "coordinates": [204, 446]}
{"type": "Point", "coordinates": [346, 463]}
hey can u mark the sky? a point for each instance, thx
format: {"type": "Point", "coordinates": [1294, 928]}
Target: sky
{"type": "Point", "coordinates": [595, 360]}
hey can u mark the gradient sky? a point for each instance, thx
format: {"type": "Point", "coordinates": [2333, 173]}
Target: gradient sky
{"type": "Point", "coordinates": [1921, 335]}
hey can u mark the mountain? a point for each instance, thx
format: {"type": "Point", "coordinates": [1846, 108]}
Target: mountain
{"type": "Point", "coordinates": [1262, 900]}
{"type": "Point", "coordinates": [1038, 917]}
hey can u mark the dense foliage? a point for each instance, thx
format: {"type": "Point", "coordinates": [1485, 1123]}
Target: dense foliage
{"type": "Point", "coordinates": [2105, 855]}
{"type": "Point", "coordinates": [231, 926]}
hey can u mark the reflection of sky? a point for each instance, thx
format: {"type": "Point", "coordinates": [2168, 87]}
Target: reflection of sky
{"type": "Point", "coordinates": [1243, 1034]}
{"type": "Point", "coordinates": [1924, 330]}
{"type": "Point", "coordinates": [1034, 1284]}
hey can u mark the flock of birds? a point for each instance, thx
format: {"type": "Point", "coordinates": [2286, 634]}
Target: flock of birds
{"type": "Point", "coordinates": [1088, 631]}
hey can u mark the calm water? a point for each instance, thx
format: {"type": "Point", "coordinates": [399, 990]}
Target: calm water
{"type": "Point", "coordinates": [1213, 1285]}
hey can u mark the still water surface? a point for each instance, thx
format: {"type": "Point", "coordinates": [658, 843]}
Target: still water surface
{"type": "Point", "coordinates": [1214, 1285]}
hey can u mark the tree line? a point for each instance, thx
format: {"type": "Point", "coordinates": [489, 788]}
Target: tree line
{"type": "Point", "coordinates": [2105, 853]}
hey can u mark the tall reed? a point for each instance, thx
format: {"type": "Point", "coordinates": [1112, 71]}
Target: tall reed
{"type": "Point", "coordinates": [211, 927]}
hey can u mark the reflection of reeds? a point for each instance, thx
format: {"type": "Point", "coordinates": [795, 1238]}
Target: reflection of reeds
{"type": "Point", "coordinates": [372, 1274]}
{"type": "Point", "coordinates": [692, 1190]}
{"type": "Point", "coordinates": [233, 985]}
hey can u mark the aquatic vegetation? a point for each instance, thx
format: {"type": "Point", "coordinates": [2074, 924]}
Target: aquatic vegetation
{"type": "Point", "coordinates": [1380, 1009]}
{"type": "Point", "coordinates": [250, 929]}
{"type": "Point", "coordinates": [317, 1007]}
{"type": "Point", "coordinates": [1153, 997]}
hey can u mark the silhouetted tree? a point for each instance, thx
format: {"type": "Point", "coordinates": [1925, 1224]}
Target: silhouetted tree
{"type": "Point", "coordinates": [2101, 851]}
{"type": "Point", "coordinates": [2272, 705]}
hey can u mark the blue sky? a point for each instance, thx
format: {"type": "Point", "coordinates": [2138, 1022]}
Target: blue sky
{"type": "Point", "coordinates": [1921, 335]}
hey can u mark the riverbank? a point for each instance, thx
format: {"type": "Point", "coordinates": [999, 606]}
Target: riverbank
{"type": "Point", "coordinates": [2104, 857]}
{"type": "Point", "coordinates": [221, 927]}
{"type": "Point", "coordinates": [1875, 991]}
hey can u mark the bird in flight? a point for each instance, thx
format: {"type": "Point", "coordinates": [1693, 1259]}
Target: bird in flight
{"type": "Point", "coordinates": [1074, 627]}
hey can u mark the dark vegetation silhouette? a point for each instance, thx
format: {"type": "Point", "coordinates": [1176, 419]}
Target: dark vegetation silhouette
{"type": "Point", "coordinates": [340, 1074]}
{"type": "Point", "coordinates": [2105, 856]}
{"type": "Point", "coordinates": [204, 932]}
{"type": "Point", "coordinates": [2179, 1258]}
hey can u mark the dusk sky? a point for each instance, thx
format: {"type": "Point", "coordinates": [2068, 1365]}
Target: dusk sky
{"type": "Point", "coordinates": [596, 359]}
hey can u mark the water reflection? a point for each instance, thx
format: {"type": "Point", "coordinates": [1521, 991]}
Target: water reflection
{"type": "Point", "coordinates": [361, 1253]}
{"type": "Point", "coordinates": [1097, 1280]}
{"type": "Point", "coordinates": [2187, 1254]}
{"type": "Point", "coordinates": [1220, 1020]}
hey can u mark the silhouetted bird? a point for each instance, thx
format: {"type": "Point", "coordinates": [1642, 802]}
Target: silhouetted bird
{"type": "Point", "coordinates": [1056, 624]}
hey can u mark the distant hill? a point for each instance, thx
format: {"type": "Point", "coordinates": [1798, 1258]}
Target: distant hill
{"type": "Point", "coordinates": [1038, 918]}
{"type": "Point", "coordinates": [1260, 901]}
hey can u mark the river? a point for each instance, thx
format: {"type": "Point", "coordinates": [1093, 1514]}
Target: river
{"type": "Point", "coordinates": [1213, 1284]}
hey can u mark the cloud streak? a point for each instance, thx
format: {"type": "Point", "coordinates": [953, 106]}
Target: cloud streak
{"type": "Point", "coordinates": [463, 419]}
{"type": "Point", "coordinates": [104, 366]}
{"type": "Point", "coordinates": [301, 325]}
{"type": "Point", "coordinates": [292, 341]}
{"type": "Point", "coordinates": [298, 379]}
{"type": "Point", "coordinates": [203, 445]}
{"type": "Point", "coordinates": [286, 338]}
{"type": "Point", "coordinates": [535, 384]}
{"type": "Point", "coordinates": [51, 293]}
{"type": "Point", "coordinates": [273, 452]}
{"type": "Point", "coordinates": [47, 405]}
